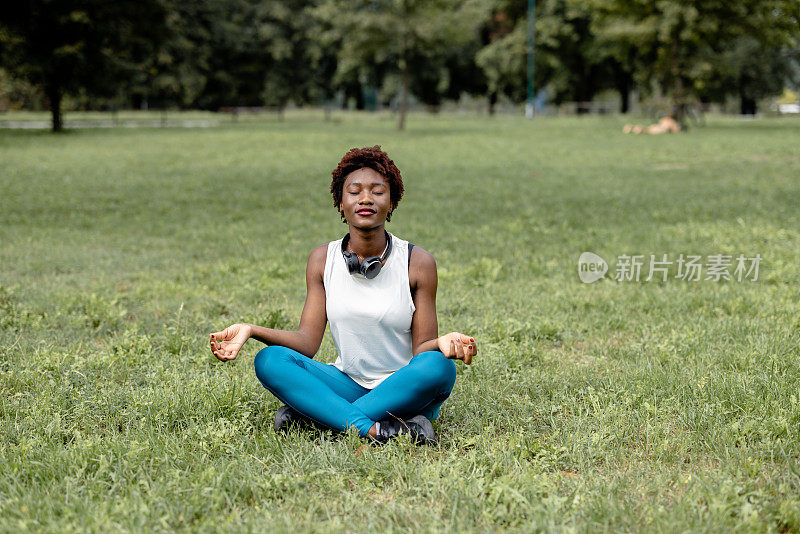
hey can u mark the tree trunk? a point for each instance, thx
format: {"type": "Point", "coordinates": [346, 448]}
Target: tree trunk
{"type": "Point", "coordinates": [359, 94]}
{"type": "Point", "coordinates": [403, 93]}
{"type": "Point", "coordinates": [585, 91]}
{"type": "Point", "coordinates": [626, 100]}
{"type": "Point", "coordinates": [623, 83]}
{"type": "Point", "coordinates": [747, 104]}
{"type": "Point", "coordinates": [678, 99]}
{"type": "Point", "coordinates": [54, 96]}
{"type": "Point", "coordinates": [492, 102]}
{"type": "Point", "coordinates": [404, 69]}
{"type": "Point", "coordinates": [679, 104]}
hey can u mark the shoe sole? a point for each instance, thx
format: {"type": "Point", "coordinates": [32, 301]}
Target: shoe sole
{"type": "Point", "coordinates": [427, 430]}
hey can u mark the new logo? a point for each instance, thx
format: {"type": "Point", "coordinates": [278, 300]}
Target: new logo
{"type": "Point", "coordinates": [591, 267]}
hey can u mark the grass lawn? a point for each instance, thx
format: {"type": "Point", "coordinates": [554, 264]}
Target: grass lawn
{"type": "Point", "coordinates": [617, 405]}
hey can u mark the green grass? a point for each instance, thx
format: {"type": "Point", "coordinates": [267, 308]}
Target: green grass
{"type": "Point", "coordinates": [609, 406]}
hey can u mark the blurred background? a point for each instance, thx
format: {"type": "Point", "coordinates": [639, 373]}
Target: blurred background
{"type": "Point", "coordinates": [148, 60]}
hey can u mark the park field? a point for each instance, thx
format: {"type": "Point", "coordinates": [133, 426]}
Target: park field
{"type": "Point", "coordinates": [620, 405]}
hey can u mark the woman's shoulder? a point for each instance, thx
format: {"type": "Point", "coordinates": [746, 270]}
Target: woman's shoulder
{"type": "Point", "coordinates": [319, 251]}
{"type": "Point", "coordinates": [422, 267]}
{"type": "Point", "coordinates": [421, 258]}
{"type": "Point", "coordinates": [317, 258]}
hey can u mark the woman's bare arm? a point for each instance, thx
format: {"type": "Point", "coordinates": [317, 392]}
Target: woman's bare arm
{"type": "Point", "coordinates": [306, 339]}
{"type": "Point", "coordinates": [424, 281]}
{"type": "Point", "coordinates": [424, 323]}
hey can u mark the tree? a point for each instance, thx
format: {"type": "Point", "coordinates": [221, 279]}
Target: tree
{"type": "Point", "coordinates": [746, 70]}
{"type": "Point", "coordinates": [575, 63]}
{"type": "Point", "coordinates": [66, 46]}
{"type": "Point", "coordinates": [570, 60]}
{"type": "Point", "coordinates": [298, 66]}
{"type": "Point", "coordinates": [176, 73]}
{"type": "Point", "coordinates": [410, 35]}
{"type": "Point", "coordinates": [674, 39]}
{"type": "Point", "coordinates": [503, 63]}
{"type": "Point", "coordinates": [463, 73]}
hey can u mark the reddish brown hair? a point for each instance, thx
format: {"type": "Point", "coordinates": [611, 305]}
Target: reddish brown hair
{"type": "Point", "coordinates": [377, 160]}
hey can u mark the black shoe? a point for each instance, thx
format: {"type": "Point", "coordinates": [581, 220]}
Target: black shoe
{"type": "Point", "coordinates": [419, 428]}
{"type": "Point", "coordinates": [286, 416]}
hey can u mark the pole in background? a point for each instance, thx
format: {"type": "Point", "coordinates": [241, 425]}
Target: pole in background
{"type": "Point", "coordinates": [529, 105]}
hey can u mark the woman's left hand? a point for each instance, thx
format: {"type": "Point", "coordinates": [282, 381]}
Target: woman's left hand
{"type": "Point", "coordinates": [456, 345]}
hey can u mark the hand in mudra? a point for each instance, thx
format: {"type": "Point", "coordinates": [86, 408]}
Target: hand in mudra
{"type": "Point", "coordinates": [458, 346]}
{"type": "Point", "coordinates": [226, 344]}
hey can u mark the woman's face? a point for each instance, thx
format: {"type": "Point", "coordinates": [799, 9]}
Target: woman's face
{"type": "Point", "coordinates": [366, 198]}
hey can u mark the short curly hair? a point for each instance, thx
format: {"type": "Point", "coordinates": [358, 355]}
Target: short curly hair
{"type": "Point", "coordinates": [377, 160]}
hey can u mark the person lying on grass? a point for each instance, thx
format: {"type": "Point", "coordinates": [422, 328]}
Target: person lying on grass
{"type": "Point", "coordinates": [666, 124]}
{"type": "Point", "coordinates": [393, 371]}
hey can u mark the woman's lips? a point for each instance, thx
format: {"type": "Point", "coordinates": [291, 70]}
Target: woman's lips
{"type": "Point", "coordinates": [365, 213]}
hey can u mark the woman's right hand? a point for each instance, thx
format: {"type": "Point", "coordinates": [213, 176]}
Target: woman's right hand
{"type": "Point", "coordinates": [226, 344]}
{"type": "Point", "coordinates": [456, 345]}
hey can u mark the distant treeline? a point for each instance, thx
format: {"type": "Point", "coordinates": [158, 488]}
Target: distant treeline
{"type": "Point", "coordinates": [211, 54]}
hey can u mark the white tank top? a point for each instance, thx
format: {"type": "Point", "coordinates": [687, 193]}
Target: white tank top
{"type": "Point", "coordinates": [370, 319]}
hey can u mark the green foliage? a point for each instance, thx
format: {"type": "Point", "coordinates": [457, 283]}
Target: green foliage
{"type": "Point", "coordinates": [409, 38]}
{"type": "Point", "coordinates": [242, 53]}
{"type": "Point", "coordinates": [611, 406]}
{"type": "Point", "coordinates": [679, 45]}
{"type": "Point", "coordinates": [689, 50]}
{"type": "Point", "coordinates": [746, 69]}
{"type": "Point", "coordinates": [66, 47]}
{"type": "Point", "coordinates": [209, 54]}
{"type": "Point", "coordinates": [503, 63]}
{"type": "Point", "coordinates": [17, 93]}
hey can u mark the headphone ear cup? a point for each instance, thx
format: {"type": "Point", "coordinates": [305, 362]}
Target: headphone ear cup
{"type": "Point", "coordinates": [353, 266]}
{"type": "Point", "coordinates": [370, 267]}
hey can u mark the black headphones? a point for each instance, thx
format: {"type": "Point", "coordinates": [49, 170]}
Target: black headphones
{"type": "Point", "coordinates": [371, 266]}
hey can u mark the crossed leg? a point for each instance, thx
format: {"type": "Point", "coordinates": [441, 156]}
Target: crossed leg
{"type": "Point", "coordinates": [328, 396]}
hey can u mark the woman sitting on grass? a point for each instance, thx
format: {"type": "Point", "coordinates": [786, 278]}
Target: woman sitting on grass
{"type": "Point", "coordinates": [392, 373]}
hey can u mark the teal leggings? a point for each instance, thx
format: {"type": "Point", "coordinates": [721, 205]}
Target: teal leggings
{"type": "Point", "coordinates": [328, 396]}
